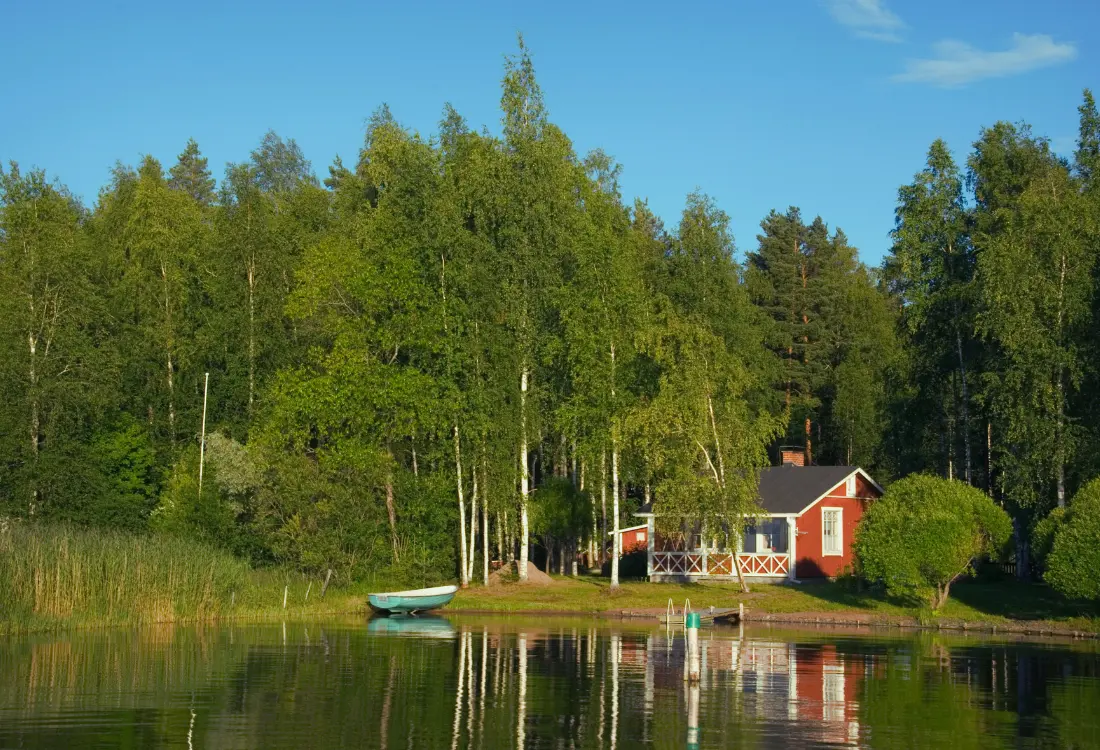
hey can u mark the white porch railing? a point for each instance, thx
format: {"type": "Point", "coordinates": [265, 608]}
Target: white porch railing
{"type": "Point", "coordinates": [699, 563]}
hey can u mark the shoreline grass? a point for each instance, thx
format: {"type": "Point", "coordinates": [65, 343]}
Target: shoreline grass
{"type": "Point", "coordinates": [57, 577]}
{"type": "Point", "coordinates": [60, 577]}
{"type": "Point", "coordinates": [1004, 605]}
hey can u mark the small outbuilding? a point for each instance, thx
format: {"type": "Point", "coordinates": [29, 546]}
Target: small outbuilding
{"type": "Point", "coordinates": [632, 538]}
{"type": "Point", "coordinates": [806, 530]}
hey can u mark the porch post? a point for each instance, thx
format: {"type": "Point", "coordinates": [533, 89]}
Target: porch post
{"type": "Point", "coordinates": [792, 535]}
{"type": "Point", "coordinates": [649, 546]}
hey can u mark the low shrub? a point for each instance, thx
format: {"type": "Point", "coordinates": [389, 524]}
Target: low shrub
{"type": "Point", "coordinates": [1073, 565]}
{"type": "Point", "coordinates": [925, 533]}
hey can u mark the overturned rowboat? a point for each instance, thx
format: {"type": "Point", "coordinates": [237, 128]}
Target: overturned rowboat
{"type": "Point", "coordinates": [415, 600]}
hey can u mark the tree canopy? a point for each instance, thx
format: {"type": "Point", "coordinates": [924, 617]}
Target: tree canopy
{"type": "Point", "coordinates": [410, 361]}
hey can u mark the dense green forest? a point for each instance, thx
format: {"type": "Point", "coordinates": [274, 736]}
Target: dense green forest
{"type": "Point", "coordinates": [462, 342]}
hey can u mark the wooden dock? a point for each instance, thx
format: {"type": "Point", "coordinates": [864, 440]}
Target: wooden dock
{"type": "Point", "coordinates": [707, 616]}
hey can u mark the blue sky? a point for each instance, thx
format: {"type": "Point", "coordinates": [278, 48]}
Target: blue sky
{"type": "Point", "coordinates": [829, 105]}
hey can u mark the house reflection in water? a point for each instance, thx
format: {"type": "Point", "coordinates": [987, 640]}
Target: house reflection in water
{"type": "Point", "coordinates": [615, 689]}
{"type": "Point", "coordinates": [815, 685]}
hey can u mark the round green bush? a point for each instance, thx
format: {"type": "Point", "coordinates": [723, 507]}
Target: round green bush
{"type": "Point", "coordinates": [925, 533]}
{"type": "Point", "coordinates": [1073, 566]}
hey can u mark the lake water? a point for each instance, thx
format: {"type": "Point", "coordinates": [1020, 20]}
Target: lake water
{"type": "Point", "coordinates": [539, 683]}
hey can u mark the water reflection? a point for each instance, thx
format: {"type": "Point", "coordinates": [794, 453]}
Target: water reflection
{"type": "Point", "coordinates": [461, 683]}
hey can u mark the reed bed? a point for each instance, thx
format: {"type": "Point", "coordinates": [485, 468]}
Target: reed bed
{"type": "Point", "coordinates": [57, 575]}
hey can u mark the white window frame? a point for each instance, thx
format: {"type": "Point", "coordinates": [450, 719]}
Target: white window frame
{"type": "Point", "coordinates": [825, 551]}
{"type": "Point", "coordinates": [850, 486]}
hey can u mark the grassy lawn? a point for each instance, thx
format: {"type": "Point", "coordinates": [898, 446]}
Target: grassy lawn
{"type": "Point", "coordinates": [1002, 604]}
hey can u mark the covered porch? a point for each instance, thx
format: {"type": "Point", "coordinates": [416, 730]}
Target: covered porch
{"type": "Point", "coordinates": [763, 551]}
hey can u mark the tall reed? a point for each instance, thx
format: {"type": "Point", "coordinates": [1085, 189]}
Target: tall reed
{"type": "Point", "coordinates": [58, 574]}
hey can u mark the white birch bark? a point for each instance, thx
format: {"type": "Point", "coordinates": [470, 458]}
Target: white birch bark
{"type": "Point", "coordinates": [603, 503]}
{"type": "Point", "coordinates": [524, 478]}
{"type": "Point", "coordinates": [251, 331]}
{"type": "Point", "coordinates": [461, 512]}
{"type": "Point", "coordinates": [616, 543]}
{"type": "Point", "coordinates": [473, 526]}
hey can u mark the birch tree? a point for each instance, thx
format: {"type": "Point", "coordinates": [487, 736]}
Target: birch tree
{"type": "Point", "coordinates": [540, 206]}
{"type": "Point", "coordinates": [602, 310]}
{"type": "Point", "coordinates": [930, 269]}
{"type": "Point", "coordinates": [52, 371]}
{"type": "Point", "coordinates": [702, 434]}
{"type": "Point", "coordinates": [1036, 288]}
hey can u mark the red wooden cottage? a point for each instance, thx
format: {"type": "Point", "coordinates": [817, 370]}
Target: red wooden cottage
{"type": "Point", "coordinates": [806, 530]}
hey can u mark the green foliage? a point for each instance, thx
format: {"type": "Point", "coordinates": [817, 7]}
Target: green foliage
{"type": "Point", "coordinates": [927, 532]}
{"type": "Point", "coordinates": [55, 371]}
{"type": "Point", "coordinates": [127, 478]}
{"type": "Point", "coordinates": [560, 511]}
{"type": "Point", "coordinates": [1035, 288]}
{"type": "Point", "coordinates": [214, 516]}
{"type": "Point", "coordinates": [1042, 535]}
{"type": "Point", "coordinates": [1073, 566]}
{"type": "Point", "coordinates": [930, 271]}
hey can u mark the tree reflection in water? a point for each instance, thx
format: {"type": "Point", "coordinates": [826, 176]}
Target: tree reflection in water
{"type": "Point", "coordinates": [494, 683]}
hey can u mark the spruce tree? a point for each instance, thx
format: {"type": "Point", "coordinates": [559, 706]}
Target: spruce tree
{"type": "Point", "coordinates": [191, 175]}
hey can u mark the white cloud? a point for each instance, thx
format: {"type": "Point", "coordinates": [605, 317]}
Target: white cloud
{"type": "Point", "coordinates": [958, 63]}
{"type": "Point", "coordinates": [869, 19]}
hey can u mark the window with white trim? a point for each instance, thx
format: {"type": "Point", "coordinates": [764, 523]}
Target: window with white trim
{"type": "Point", "coordinates": [850, 486]}
{"type": "Point", "coordinates": [832, 531]}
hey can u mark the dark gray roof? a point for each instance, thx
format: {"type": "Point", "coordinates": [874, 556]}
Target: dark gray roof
{"type": "Point", "coordinates": [791, 489]}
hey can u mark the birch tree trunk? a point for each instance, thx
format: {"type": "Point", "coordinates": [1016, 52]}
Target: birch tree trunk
{"type": "Point", "coordinates": [1060, 451]}
{"type": "Point", "coordinates": [509, 541]}
{"type": "Point", "coordinates": [616, 543]}
{"type": "Point", "coordinates": [463, 571]}
{"type": "Point", "coordinates": [720, 478]}
{"type": "Point", "coordinates": [965, 403]}
{"type": "Point", "coordinates": [523, 476]}
{"type": "Point", "coordinates": [36, 425]}
{"type": "Point", "coordinates": [603, 503]}
{"type": "Point", "coordinates": [168, 349]}
{"type": "Point", "coordinates": [390, 505]}
{"type": "Point", "coordinates": [251, 332]}
{"type": "Point", "coordinates": [473, 525]}
{"type": "Point", "coordinates": [595, 529]}
{"type": "Point", "coordinates": [484, 542]}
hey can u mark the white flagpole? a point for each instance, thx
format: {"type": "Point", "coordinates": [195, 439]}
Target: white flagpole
{"type": "Point", "coordinates": [202, 440]}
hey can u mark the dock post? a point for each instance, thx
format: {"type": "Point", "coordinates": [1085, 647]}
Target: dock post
{"type": "Point", "coordinates": [693, 716]}
{"type": "Point", "coordinates": [691, 629]}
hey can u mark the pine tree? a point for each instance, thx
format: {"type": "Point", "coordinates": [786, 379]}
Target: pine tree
{"type": "Point", "coordinates": [191, 175]}
{"type": "Point", "coordinates": [1086, 159]}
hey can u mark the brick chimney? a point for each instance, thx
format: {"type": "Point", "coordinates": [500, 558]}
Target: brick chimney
{"type": "Point", "coordinates": [792, 457]}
